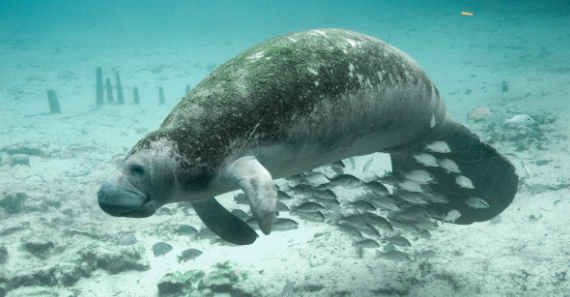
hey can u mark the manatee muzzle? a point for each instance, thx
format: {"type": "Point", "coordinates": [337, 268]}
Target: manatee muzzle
{"type": "Point", "coordinates": [122, 201]}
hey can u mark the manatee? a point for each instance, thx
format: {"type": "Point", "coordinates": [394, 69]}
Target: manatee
{"type": "Point", "coordinates": [289, 105]}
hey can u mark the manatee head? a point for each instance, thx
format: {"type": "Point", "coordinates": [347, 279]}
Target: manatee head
{"type": "Point", "coordinates": [143, 182]}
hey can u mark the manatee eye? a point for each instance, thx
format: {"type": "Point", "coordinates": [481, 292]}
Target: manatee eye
{"type": "Point", "coordinates": [137, 170]}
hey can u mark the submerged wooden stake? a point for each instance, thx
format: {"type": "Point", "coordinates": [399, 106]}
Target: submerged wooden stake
{"type": "Point", "coordinates": [136, 95]}
{"type": "Point", "coordinates": [53, 102]}
{"type": "Point", "coordinates": [99, 74]}
{"type": "Point", "coordinates": [120, 97]}
{"type": "Point", "coordinates": [109, 91]}
{"type": "Point", "coordinates": [160, 96]}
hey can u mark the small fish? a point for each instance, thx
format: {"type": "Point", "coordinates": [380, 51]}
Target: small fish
{"type": "Point", "coordinates": [355, 220]}
{"type": "Point", "coordinates": [432, 121]}
{"type": "Point", "coordinates": [479, 113]}
{"type": "Point", "coordinates": [410, 186]}
{"type": "Point", "coordinates": [282, 195]}
{"type": "Point", "coordinates": [324, 194]}
{"type": "Point", "coordinates": [425, 234]}
{"type": "Point", "coordinates": [495, 220]}
{"type": "Point", "coordinates": [284, 225]}
{"type": "Point", "coordinates": [345, 180]}
{"type": "Point", "coordinates": [301, 189]}
{"type": "Point", "coordinates": [252, 222]}
{"type": "Point", "coordinates": [126, 239]}
{"type": "Point", "coordinates": [414, 214]}
{"type": "Point", "coordinates": [369, 230]}
{"type": "Point", "coordinates": [376, 188]}
{"type": "Point", "coordinates": [241, 199]}
{"type": "Point", "coordinates": [397, 240]}
{"type": "Point", "coordinates": [338, 167]}
{"type": "Point", "coordinates": [352, 163]}
{"type": "Point", "coordinates": [240, 214]}
{"type": "Point", "coordinates": [426, 159]}
{"type": "Point", "coordinates": [297, 178]}
{"type": "Point", "coordinates": [464, 182]}
{"type": "Point", "coordinates": [367, 243]}
{"type": "Point", "coordinates": [316, 216]}
{"type": "Point", "coordinates": [189, 254]}
{"type": "Point", "coordinates": [449, 165]}
{"type": "Point", "coordinates": [452, 215]}
{"type": "Point", "coordinates": [520, 120]}
{"type": "Point", "coordinates": [161, 249]}
{"type": "Point", "coordinates": [385, 203]}
{"type": "Point", "coordinates": [308, 207]}
{"type": "Point", "coordinates": [367, 165]}
{"type": "Point", "coordinates": [362, 205]}
{"type": "Point", "coordinates": [282, 206]}
{"type": "Point", "coordinates": [476, 202]}
{"type": "Point", "coordinates": [206, 233]}
{"type": "Point", "coordinates": [387, 179]}
{"type": "Point", "coordinates": [437, 198]}
{"type": "Point", "coordinates": [11, 230]}
{"type": "Point", "coordinates": [327, 202]}
{"type": "Point", "coordinates": [427, 190]}
{"type": "Point", "coordinates": [405, 225]}
{"type": "Point", "coordinates": [412, 197]}
{"type": "Point", "coordinates": [393, 255]}
{"type": "Point", "coordinates": [424, 255]}
{"type": "Point", "coordinates": [315, 179]}
{"type": "Point", "coordinates": [186, 230]}
{"type": "Point", "coordinates": [350, 230]}
{"type": "Point", "coordinates": [438, 147]}
{"type": "Point", "coordinates": [421, 176]}
{"type": "Point", "coordinates": [379, 222]}
{"type": "Point", "coordinates": [389, 247]}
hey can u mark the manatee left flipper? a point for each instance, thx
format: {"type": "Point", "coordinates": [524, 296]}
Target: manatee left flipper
{"type": "Point", "coordinates": [223, 223]}
{"type": "Point", "coordinates": [257, 184]}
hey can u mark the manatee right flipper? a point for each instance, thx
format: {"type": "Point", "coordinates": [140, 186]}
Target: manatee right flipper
{"type": "Point", "coordinates": [223, 223]}
{"type": "Point", "coordinates": [492, 174]}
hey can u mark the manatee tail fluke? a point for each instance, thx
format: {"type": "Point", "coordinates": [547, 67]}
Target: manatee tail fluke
{"type": "Point", "coordinates": [485, 175]}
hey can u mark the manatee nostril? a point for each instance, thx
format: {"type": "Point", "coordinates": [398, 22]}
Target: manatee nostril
{"type": "Point", "coordinates": [137, 170]}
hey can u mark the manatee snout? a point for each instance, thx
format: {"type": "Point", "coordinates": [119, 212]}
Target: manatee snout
{"type": "Point", "coordinates": [120, 201]}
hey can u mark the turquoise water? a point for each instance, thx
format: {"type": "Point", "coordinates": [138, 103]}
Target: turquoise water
{"type": "Point", "coordinates": [510, 57]}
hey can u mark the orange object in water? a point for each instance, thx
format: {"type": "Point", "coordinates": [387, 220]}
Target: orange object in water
{"type": "Point", "coordinates": [467, 13]}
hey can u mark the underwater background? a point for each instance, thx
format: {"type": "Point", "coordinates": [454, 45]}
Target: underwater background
{"type": "Point", "coordinates": [511, 57]}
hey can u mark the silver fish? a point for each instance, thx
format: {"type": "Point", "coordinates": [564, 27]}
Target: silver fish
{"type": "Point", "coordinates": [389, 247]}
{"type": "Point", "coordinates": [412, 197]}
{"type": "Point", "coordinates": [393, 255]}
{"type": "Point", "coordinates": [452, 215]}
{"type": "Point", "coordinates": [241, 199]}
{"type": "Point", "coordinates": [406, 226]}
{"type": "Point", "coordinates": [425, 234]}
{"type": "Point", "coordinates": [345, 180]}
{"type": "Point", "coordinates": [424, 255]}
{"type": "Point", "coordinates": [520, 120]}
{"type": "Point", "coordinates": [414, 214]}
{"type": "Point", "coordinates": [479, 113]}
{"type": "Point", "coordinates": [376, 188]}
{"type": "Point", "coordinates": [189, 254]}
{"type": "Point", "coordinates": [432, 121]}
{"type": "Point", "coordinates": [355, 220]}
{"type": "Point", "coordinates": [367, 243]}
{"type": "Point", "coordinates": [421, 176]}
{"type": "Point", "coordinates": [161, 249]}
{"type": "Point", "coordinates": [449, 165]}
{"type": "Point", "coordinates": [369, 230]}
{"type": "Point", "coordinates": [350, 230]}
{"type": "Point", "coordinates": [324, 194]}
{"type": "Point", "coordinates": [437, 198]}
{"type": "Point", "coordinates": [362, 205]}
{"type": "Point", "coordinates": [438, 147]}
{"type": "Point", "coordinates": [308, 207]}
{"type": "Point", "coordinates": [379, 222]}
{"type": "Point", "coordinates": [315, 216]}
{"type": "Point", "coordinates": [464, 182]}
{"type": "Point", "coordinates": [397, 240]}
{"type": "Point", "coordinates": [352, 163]}
{"type": "Point", "coordinates": [387, 179]}
{"type": "Point", "coordinates": [282, 195]}
{"type": "Point", "coordinates": [315, 178]}
{"type": "Point", "coordinates": [126, 239]}
{"type": "Point", "coordinates": [284, 225]}
{"type": "Point", "coordinates": [385, 203]}
{"type": "Point", "coordinates": [338, 167]}
{"type": "Point", "coordinates": [282, 206]}
{"type": "Point", "coordinates": [426, 160]}
{"type": "Point", "coordinates": [410, 186]}
{"type": "Point", "coordinates": [187, 230]}
{"type": "Point", "coordinates": [476, 202]}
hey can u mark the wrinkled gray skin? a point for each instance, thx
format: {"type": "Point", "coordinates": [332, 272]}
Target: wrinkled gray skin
{"type": "Point", "coordinates": [285, 106]}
